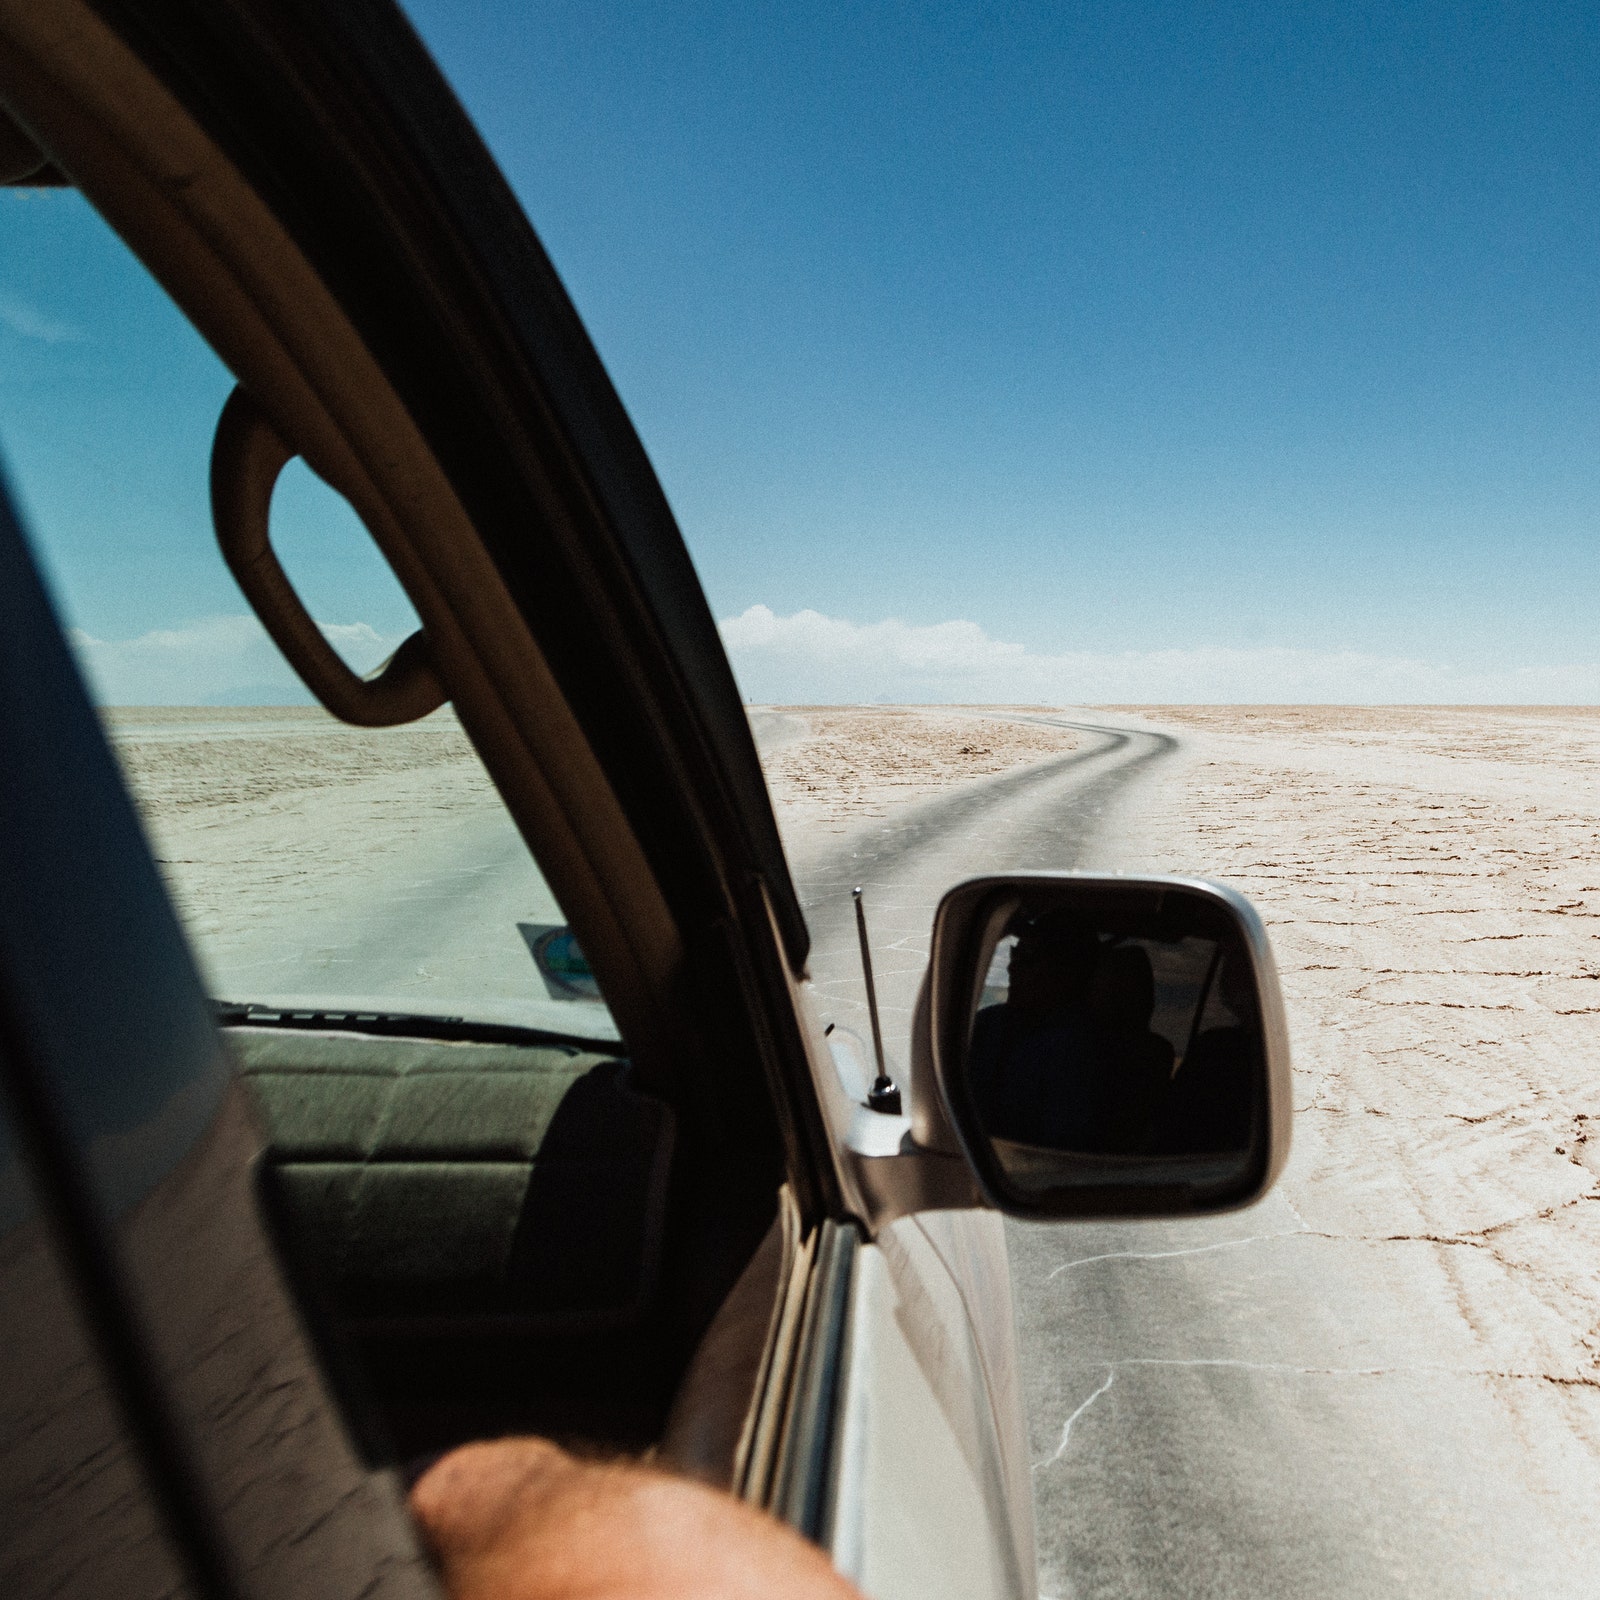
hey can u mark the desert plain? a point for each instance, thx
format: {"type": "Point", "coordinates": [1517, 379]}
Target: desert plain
{"type": "Point", "coordinates": [1403, 1343]}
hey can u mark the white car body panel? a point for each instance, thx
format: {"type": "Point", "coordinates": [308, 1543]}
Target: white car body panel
{"type": "Point", "coordinates": [932, 1492]}
{"type": "Point", "coordinates": [928, 1501]}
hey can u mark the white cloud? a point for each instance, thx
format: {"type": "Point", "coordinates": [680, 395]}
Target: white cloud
{"type": "Point", "coordinates": [809, 658]}
{"type": "Point", "coordinates": [212, 661]}
{"type": "Point", "coordinates": [358, 642]}
{"type": "Point", "coordinates": [23, 319]}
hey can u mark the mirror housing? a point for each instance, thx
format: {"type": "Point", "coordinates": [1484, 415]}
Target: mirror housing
{"type": "Point", "coordinates": [1147, 964]}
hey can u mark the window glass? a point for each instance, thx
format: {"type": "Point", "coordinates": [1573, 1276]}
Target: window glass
{"type": "Point", "coordinates": [316, 866]}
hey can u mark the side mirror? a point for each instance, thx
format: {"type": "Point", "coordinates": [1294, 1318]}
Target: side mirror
{"type": "Point", "coordinates": [1108, 1046]}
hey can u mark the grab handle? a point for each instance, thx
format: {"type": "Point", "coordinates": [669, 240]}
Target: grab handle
{"type": "Point", "coordinates": [246, 457]}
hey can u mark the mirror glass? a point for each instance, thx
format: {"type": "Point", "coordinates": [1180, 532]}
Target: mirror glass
{"type": "Point", "coordinates": [1114, 1038]}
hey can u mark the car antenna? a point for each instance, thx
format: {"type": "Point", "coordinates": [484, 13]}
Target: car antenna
{"type": "Point", "coordinates": [882, 1096]}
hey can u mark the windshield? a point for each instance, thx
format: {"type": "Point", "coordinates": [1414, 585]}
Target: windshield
{"type": "Point", "coordinates": [317, 867]}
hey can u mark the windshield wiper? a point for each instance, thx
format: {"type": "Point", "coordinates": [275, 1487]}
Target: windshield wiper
{"type": "Point", "coordinates": [400, 1025]}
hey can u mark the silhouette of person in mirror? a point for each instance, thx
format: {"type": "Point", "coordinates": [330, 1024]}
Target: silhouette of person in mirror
{"type": "Point", "coordinates": [1135, 1061]}
{"type": "Point", "coordinates": [1069, 1060]}
{"type": "Point", "coordinates": [1028, 1055]}
{"type": "Point", "coordinates": [1212, 1103]}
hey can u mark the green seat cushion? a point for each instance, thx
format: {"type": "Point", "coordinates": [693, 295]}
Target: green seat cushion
{"type": "Point", "coordinates": [416, 1180]}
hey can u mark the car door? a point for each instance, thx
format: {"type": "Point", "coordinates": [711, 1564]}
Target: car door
{"type": "Point", "coordinates": [307, 188]}
{"type": "Point", "coordinates": [166, 1350]}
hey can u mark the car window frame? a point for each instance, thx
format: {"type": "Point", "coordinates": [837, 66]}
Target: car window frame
{"type": "Point", "coordinates": [621, 795]}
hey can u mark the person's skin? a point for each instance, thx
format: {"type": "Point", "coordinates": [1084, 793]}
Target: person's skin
{"type": "Point", "coordinates": [520, 1519]}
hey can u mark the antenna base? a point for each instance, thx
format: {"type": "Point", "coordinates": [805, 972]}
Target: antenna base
{"type": "Point", "coordinates": [884, 1096]}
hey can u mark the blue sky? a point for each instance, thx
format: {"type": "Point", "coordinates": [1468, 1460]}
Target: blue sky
{"type": "Point", "coordinates": [1057, 353]}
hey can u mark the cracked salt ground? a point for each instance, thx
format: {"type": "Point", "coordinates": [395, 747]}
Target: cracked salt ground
{"type": "Point", "coordinates": [1066, 1427]}
{"type": "Point", "coordinates": [1386, 1378]}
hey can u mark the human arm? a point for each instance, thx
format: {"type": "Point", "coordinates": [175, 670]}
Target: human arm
{"type": "Point", "coordinates": [521, 1519]}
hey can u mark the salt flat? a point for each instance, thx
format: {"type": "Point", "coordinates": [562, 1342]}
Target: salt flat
{"type": "Point", "coordinates": [317, 861]}
{"type": "Point", "coordinates": [1386, 1378]}
{"type": "Point", "coordinates": [1431, 879]}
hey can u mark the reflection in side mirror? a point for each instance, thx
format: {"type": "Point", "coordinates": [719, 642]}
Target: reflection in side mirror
{"type": "Point", "coordinates": [1110, 1046]}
